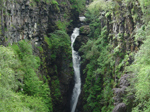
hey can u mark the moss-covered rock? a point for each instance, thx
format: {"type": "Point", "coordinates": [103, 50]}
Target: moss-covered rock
{"type": "Point", "coordinates": [85, 30]}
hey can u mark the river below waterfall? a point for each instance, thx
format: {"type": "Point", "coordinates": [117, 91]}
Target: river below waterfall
{"type": "Point", "coordinates": [76, 67]}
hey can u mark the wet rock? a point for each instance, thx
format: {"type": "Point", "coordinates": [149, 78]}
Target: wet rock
{"type": "Point", "coordinates": [121, 107]}
{"type": "Point", "coordinates": [80, 40]}
{"type": "Point", "coordinates": [84, 30]}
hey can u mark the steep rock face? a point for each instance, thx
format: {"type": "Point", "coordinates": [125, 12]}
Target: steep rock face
{"type": "Point", "coordinates": [120, 92]}
{"type": "Point", "coordinates": [122, 23]}
{"type": "Point", "coordinates": [58, 69]}
{"type": "Point", "coordinates": [124, 29]}
{"type": "Point", "coordinates": [27, 19]}
{"type": "Point", "coordinates": [23, 21]}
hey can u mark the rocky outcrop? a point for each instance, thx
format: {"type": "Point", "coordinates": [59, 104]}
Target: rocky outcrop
{"type": "Point", "coordinates": [85, 30]}
{"type": "Point", "coordinates": [121, 26]}
{"type": "Point", "coordinates": [120, 92]}
{"type": "Point", "coordinates": [32, 19]}
{"type": "Point", "coordinates": [82, 38]}
{"type": "Point", "coordinates": [59, 72]}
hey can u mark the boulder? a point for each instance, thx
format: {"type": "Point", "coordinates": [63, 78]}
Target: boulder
{"type": "Point", "coordinates": [85, 30]}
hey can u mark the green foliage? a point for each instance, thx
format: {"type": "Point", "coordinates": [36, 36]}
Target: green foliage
{"type": "Point", "coordinates": [81, 29]}
{"type": "Point", "coordinates": [55, 86]}
{"type": "Point", "coordinates": [58, 42]}
{"type": "Point", "coordinates": [140, 34]}
{"type": "Point", "coordinates": [21, 89]}
{"type": "Point", "coordinates": [17, 102]}
{"type": "Point", "coordinates": [78, 5]}
{"type": "Point", "coordinates": [54, 2]}
{"type": "Point", "coordinates": [40, 49]}
{"type": "Point", "coordinates": [141, 81]}
{"type": "Point", "coordinates": [30, 64]}
{"type": "Point", "coordinates": [145, 6]}
{"type": "Point", "coordinates": [56, 5]}
{"type": "Point", "coordinates": [64, 3]}
{"type": "Point", "coordinates": [62, 25]}
{"type": "Point", "coordinates": [65, 16]}
{"type": "Point", "coordinates": [95, 27]}
{"type": "Point", "coordinates": [9, 64]}
{"type": "Point", "coordinates": [98, 69]}
{"type": "Point", "coordinates": [60, 53]}
{"type": "Point", "coordinates": [47, 40]}
{"type": "Point", "coordinates": [101, 68]}
{"type": "Point", "coordinates": [33, 3]}
{"type": "Point", "coordinates": [99, 5]}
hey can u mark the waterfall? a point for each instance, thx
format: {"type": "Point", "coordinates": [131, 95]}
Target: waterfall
{"type": "Point", "coordinates": [76, 67]}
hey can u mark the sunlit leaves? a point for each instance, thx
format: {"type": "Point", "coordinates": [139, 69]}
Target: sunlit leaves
{"type": "Point", "coordinates": [8, 61]}
{"type": "Point", "coordinates": [141, 69]}
{"type": "Point", "coordinates": [98, 5]}
{"type": "Point", "coordinates": [18, 76]}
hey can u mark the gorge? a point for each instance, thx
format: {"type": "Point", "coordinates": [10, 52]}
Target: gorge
{"type": "Point", "coordinates": [106, 69]}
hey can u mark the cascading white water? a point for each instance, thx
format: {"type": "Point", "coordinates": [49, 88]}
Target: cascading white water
{"type": "Point", "coordinates": [82, 18]}
{"type": "Point", "coordinates": [76, 67]}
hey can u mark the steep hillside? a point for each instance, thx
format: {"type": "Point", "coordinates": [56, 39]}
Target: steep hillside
{"type": "Point", "coordinates": [118, 28]}
{"type": "Point", "coordinates": [34, 33]}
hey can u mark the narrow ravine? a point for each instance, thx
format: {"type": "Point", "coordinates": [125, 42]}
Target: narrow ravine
{"type": "Point", "coordinates": [76, 67]}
